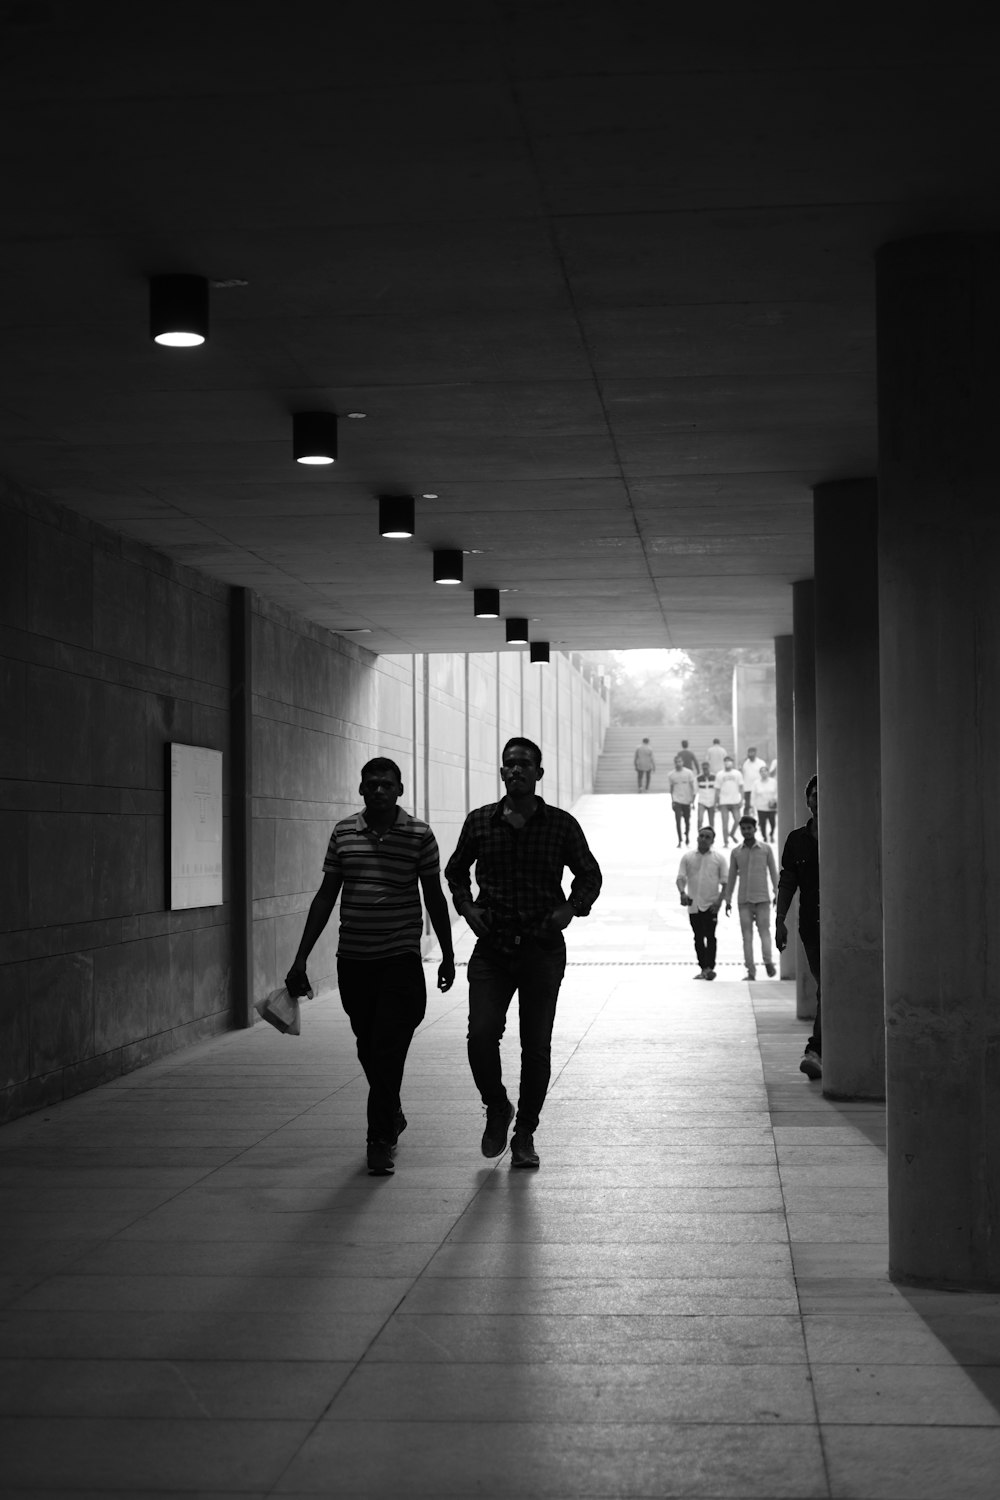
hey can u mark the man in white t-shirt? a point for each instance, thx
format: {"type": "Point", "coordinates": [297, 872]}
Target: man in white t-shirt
{"type": "Point", "coordinates": [716, 756]}
{"type": "Point", "coordinates": [706, 797]}
{"type": "Point", "coordinates": [701, 879]}
{"type": "Point", "coordinates": [729, 794]}
{"type": "Point", "coordinates": [751, 768]}
{"type": "Point", "coordinates": [683, 790]}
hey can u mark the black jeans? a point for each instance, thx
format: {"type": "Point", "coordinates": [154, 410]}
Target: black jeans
{"type": "Point", "coordinates": [385, 1000]}
{"type": "Point", "coordinates": [703, 927]}
{"type": "Point", "coordinates": [766, 819]}
{"type": "Point", "coordinates": [535, 972]}
{"type": "Point", "coordinates": [810, 942]}
{"type": "Point", "coordinates": [682, 817]}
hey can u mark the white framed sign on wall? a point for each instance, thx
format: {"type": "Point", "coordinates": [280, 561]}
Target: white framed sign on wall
{"type": "Point", "coordinates": [194, 874]}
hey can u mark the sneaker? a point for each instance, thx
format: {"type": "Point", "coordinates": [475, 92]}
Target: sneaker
{"type": "Point", "coordinates": [700, 974]}
{"type": "Point", "coordinates": [771, 970]}
{"type": "Point", "coordinates": [399, 1124]}
{"type": "Point", "coordinates": [522, 1150]}
{"type": "Point", "coordinates": [380, 1162]}
{"type": "Point", "coordinates": [709, 974]}
{"type": "Point", "coordinates": [811, 1065]}
{"type": "Point", "coordinates": [750, 974]}
{"type": "Point", "coordinates": [497, 1124]}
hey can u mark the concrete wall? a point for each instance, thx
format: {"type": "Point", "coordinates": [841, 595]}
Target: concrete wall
{"type": "Point", "coordinates": [110, 651]}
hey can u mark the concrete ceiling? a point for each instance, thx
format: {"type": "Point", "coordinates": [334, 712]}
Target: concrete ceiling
{"type": "Point", "coordinates": [600, 274]}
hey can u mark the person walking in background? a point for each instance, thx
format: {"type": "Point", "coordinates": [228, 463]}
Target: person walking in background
{"type": "Point", "coordinates": [800, 872]}
{"type": "Point", "coordinates": [520, 847]}
{"type": "Point", "coordinates": [645, 765]}
{"type": "Point", "coordinates": [689, 758]}
{"type": "Point", "coordinates": [379, 858]}
{"type": "Point", "coordinates": [765, 802]}
{"type": "Point", "coordinates": [751, 770]}
{"type": "Point", "coordinates": [753, 866]}
{"type": "Point", "coordinates": [701, 880]}
{"type": "Point", "coordinates": [706, 797]}
{"type": "Point", "coordinates": [716, 757]}
{"type": "Point", "coordinates": [683, 791]}
{"type": "Point", "coordinates": [729, 795]}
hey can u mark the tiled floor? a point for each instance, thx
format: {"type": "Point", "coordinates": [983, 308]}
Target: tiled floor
{"type": "Point", "coordinates": [203, 1293]}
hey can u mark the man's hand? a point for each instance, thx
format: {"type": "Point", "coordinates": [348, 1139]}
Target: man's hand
{"type": "Point", "coordinates": [714, 908]}
{"type": "Point", "coordinates": [478, 919]}
{"type": "Point", "coordinates": [729, 908]}
{"type": "Point", "coordinates": [562, 916]}
{"type": "Point", "coordinates": [446, 973]}
{"type": "Point", "coordinates": [297, 982]}
{"type": "Point", "coordinates": [780, 934]}
{"type": "Point", "coordinates": [685, 900]}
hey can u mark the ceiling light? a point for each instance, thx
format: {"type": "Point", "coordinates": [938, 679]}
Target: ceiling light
{"type": "Point", "coordinates": [429, 496]}
{"type": "Point", "coordinates": [178, 310]}
{"type": "Point", "coordinates": [447, 567]}
{"type": "Point", "coordinates": [517, 631]}
{"type": "Point", "coordinates": [486, 604]}
{"type": "Point", "coordinates": [357, 416]}
{"type": "Point", "coordinates": [314, 437]}
{"type": "Point", "coordinates": [539, 651]}
{"type": "Point", "coordinates": [396, 515]}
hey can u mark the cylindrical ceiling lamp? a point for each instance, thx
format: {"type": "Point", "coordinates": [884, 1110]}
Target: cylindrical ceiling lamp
{"type": "Point", "coordinates": [517, 631]}
{"type": "Point", "coordinates": [178, 310]}
{"type": "Point", "coordinates": [539, 651]}
{"type": "Point", "coordinates": [447, 567]}
{"type": "Point", "coordinates": [396, 515]}
{"type": "Point", "coordinates": [314, 437]}
{"type": "Point", "coordinates": [486, 604]}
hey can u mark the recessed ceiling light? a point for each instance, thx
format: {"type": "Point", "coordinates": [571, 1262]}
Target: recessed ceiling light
{"type": "Point", "coordinates": [356, 416]}
{"type": "Point", "coordinates": [470, 551]}
{"type": "Point", "coordinates": [428, 496]}
{"type": "Point", "coordinates": [510, 591]}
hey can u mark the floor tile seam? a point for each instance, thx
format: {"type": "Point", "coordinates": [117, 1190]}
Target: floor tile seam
{"type": "Point", "coordinates": [766, 1071]}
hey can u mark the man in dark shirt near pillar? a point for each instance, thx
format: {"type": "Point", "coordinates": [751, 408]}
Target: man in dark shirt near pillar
{"type": "Point", "coordinates": [800, 872]}
{"type": "Point", "coordinates": [520, 847]}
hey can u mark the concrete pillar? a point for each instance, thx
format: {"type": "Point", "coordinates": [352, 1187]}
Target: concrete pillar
{"type": "Point", "coordinates": [784, 693]}
{"type": "Point", "coordinates": [938, 319]}
{"type": "Point", "coordinates": [804, 678]}
{"type": "Point", "coordinates": [845, 529]}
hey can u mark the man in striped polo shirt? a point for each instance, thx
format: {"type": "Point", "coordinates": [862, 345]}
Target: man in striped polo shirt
{"type": "Point", "coordinates": [382, 859]}
{"type": "Point", "coordinates": [520, 847]}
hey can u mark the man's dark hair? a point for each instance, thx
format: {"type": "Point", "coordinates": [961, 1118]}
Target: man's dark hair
{"type": "Point", "coordinates": [382, 763]}
{"type": "Point", "coordinates": [810, 786]}
{"type": "Point", "coordinates": [524, 745]}
{"type": "Point", "coordinates": [684, 744]}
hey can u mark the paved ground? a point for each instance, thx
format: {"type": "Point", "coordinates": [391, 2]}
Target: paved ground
{"type": "Point", "coordinates": [204, 1294]}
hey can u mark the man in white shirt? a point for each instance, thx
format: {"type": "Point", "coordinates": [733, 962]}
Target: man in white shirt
{"type": "Point", "coordinates": [753, 865]}
{"type": "Point", "coordinates": [683, 790]}
{"type": "Point", "coordinates": [706, 797]}
{"type": "Point", "coordinates": [729, 793]}
{"type": "Point", "coordinates": [700, 880]}
{"type": "Point", "coordinates": [716, 756]}
{"type": "Point", "coordinates": [751, 768]}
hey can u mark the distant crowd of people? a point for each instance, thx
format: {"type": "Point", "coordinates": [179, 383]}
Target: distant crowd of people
{"type": "Point", "coordinates": [715, 787]}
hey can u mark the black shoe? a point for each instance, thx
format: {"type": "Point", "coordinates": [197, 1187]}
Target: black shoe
{"type": "Point", "coordinates": [498, 1120]}
{"type": "Point", "coordinates": [522, 1150]}
{"type": "Point", "coordinates": [380, 1162]}
{"type": "Point", "coordinates": [812, 1065]}
{"type": "Point", "coordinates": [399, 1125]}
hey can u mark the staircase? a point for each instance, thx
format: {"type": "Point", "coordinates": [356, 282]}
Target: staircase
{"type": "Point", "coordinates": [615, 771]}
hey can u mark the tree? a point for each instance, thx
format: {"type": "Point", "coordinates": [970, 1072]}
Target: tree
{"type": "Point", "coordinates": [707, 687]}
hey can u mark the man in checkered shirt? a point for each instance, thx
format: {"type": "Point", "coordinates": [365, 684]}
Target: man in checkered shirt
{"type": "Point", "coordinates": [520, 847]}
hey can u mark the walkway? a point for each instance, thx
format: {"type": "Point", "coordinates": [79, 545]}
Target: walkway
{"type": "Point", "coordinates": [204, 1294]}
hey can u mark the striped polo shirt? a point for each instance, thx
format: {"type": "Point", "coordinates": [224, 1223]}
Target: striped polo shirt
{"type": "Point", "coordinates": [380, 910]}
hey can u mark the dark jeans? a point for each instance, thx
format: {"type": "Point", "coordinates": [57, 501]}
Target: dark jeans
{"type": "Point", "coordinates": [810, 942]}
{"type": "Point", "coordinates": [385, 1000]}
{"type": "Point", "coordinates": [640, 775]}
{"type": "Point", "coordinates": [536, 974]}
{"type": "Point", "coordinates": [682, 815]}
{"type": "Point", "coordinates": [703, 927]}
{"type": "Point", "coordinates": [766, 823]}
